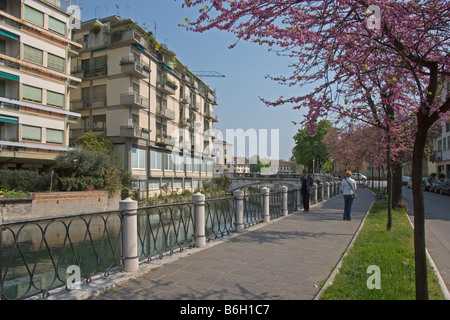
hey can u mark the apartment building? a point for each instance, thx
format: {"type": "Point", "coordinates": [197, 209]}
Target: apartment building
{"type": "Point", "coordinates": [35, 83]}
{"type": "Point", "coordinates": [158, 114]}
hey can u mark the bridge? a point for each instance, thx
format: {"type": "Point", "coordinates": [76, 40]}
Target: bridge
{"type": "Point", "coordinates": [244, 180]}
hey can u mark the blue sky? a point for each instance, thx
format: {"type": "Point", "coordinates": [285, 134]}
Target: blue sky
{"type": "Point", "coordinates": [245, 66]}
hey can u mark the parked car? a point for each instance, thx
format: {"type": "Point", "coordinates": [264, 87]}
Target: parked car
{"type": "Point", "coordinates": [445, 187]}
{"type": "Point", "coordinates": [405, 180]}
{"type": "Point", "coordinates": [426, 184]}
{"type": "Point", "coordinates": [358, 177]}
{"type": "Point", "coordinates": [436, 186]}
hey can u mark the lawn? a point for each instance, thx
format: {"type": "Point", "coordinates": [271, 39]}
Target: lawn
{"type": "Point", "coordinates": [390, 251]}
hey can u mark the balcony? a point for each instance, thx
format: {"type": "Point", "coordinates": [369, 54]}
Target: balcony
{"type": "Point", "coordinates": [134, 132]}
{"type": "Point", "coordinates": [166, 114]}
{"type": "Point", "coordinates": [135, 68]}
{"type": "Point", "coordinates": [96, 72]}
{"type": "Point", "coordinates": [166, 86]}
{"type": "Point", "coordinates": [195, 106]}
{"type": "Point", "coordinates": [79, 104]}
{"type": "Point", "coordinates": [134, 100]}
{"type": "Point", "coordinates": [129, 36]}
{"type": "Point", "coordinates": [164, 139]}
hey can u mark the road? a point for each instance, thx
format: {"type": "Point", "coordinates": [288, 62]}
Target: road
{"type": "Point", "coordinates": [437, 227]}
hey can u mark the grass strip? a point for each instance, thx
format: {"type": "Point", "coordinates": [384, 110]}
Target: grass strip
{"type": "Point", "coordinates": [391, 251]}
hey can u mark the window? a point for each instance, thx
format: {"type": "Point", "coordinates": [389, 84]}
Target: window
{"type": "Point", "coordinates": [31, 93]}
{"type": "Point", "coordinates": [155, 159]}
{"type": "Point", "coordinates": [32, 54]}
{"type": "Point", "coordinates": [55, 62]}
{"type": "Point", "coordinates": [153, 184]}
{"type": "Point", "coordinates": [34, 16]}
{"type": "Point", "coordinates": [31, 133]}
{"type": "Point", "coordinates": [100, 93]}
{"type": "Point", "coordinates": [56, 25]}
{"type": "Point", "coordinates": [168, 162]}
{"type": "Point", "coordinates": [55, 99]}
{"type": "Point", "coordinates": [54, 136]}
{"type": "Point", "coordinates": [177, 183]}
{"type": "Point", "coordinates": [188, 164]}
{"type": "Point", "coordinates": [179, 163]}
{"type": "Point", "coordinates": [138, 159]}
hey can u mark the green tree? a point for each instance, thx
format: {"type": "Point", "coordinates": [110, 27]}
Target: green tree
{"type": "Point", "coordinates": [308, 148]}
{"type": "Point", "coordinates": [95, 142]}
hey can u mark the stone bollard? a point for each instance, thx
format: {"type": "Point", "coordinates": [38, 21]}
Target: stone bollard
{"type": "Point", "coordinates": [284, 200]}
{"type": "Point", "coordinates": [130, 259]}
{"type": "Point", "coordinates": [199, 219]}
{"type": "Point", "coordinates": [266, 205]}
{"type": "Point", "coordinates": [239, 205]}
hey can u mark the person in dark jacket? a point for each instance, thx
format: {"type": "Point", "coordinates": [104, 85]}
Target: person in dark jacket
{"type": "Point", "coordinates": [306, 186]}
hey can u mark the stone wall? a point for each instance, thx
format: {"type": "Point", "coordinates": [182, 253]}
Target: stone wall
{"type": "Point", "coordinates": [55, 204]}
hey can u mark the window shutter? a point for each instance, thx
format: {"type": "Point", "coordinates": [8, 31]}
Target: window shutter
{"type": "Point", "coordinates": [55, 99]}
{"type": "Point", "coordinates": [31, 93]}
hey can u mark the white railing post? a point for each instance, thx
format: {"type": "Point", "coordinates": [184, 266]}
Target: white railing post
{"type": "Point", "coordinates": [266, 204]}
{"type": "Point", "coordinates": [284, 201]}
{"type": "Point", "coordinates": [199, 218]}
{"type": "Point", "coordinates": [239, 205]}
{"type": "Point", "coordinates": [298, 194]}
{"type": "Point", "coordinates": [130, 259]}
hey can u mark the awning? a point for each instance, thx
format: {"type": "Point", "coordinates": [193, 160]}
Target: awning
{"type": "Point", "coordinates": [9, 34]}
{"type": "Point", "coordinates": [9, 76]}
{"type": "Point", "coordinates": [166, 67]}
{"type": "Point", "coordinates": [140, 48]}
{"type": "Point", "coordinates": [8, 119]}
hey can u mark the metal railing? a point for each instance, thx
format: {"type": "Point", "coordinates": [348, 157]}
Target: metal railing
{"type": "Point", "coordinates": [36, 254]}
{"type": "Point", "coordinates": [164, 229]}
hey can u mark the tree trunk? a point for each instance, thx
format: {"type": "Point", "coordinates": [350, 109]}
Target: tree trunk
{"type": "Point", "coordinates": [419, 214]}
{"type": "Point", "coordinates": [397, 194]}
{"type": "Point", "coordinates": [389, 183]}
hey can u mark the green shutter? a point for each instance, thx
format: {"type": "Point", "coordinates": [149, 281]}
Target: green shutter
{"type": "Point", "coordinates": [55, 62]}
{"type": "Point", "coordinates": [55, 99]}
{"type": "Point", "coordinates": [34, 16]}
{"type": "Point", "coordinates": [54, 136]}
{"type": "Point", "coordinates": [56, 25]}
{"type": "Point", "coordinates": [31, 133]}
{"type": "Point", "coordinates": [33, 54]}
{"type": "Point", "coordinates": [31, 93]}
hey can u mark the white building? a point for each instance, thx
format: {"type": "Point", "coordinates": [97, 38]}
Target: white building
{"type": "Point", "coordinates": [35, 83]}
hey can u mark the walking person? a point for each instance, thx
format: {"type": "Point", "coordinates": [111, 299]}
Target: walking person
{"type": "Point", "coordinates": [307, 183]}
{"type": "Point", "coordinates": [348, 188]}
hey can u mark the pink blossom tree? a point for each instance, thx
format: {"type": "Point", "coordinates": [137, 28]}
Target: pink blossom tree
{"type": "Point", "coordinates": [397, 49]}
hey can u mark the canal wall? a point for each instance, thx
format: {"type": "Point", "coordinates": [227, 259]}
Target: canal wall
{"type": "Point", "coordinates": [56, 204]}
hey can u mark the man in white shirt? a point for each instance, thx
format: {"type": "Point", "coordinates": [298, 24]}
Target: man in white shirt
{"type": "Point", "coordinates": [348, 188]}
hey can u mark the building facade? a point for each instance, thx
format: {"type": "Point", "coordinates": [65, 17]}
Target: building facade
{"type": "Point", "coordinates": [158, 114]}
{"type": "Point", "coordinates": [35, 83]}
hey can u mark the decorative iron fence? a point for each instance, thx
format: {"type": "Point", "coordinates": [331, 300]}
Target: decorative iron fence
{"type": "Point", "coordinates": [36, 255]}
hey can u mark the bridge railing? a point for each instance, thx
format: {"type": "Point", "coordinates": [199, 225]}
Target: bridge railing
{"type": "Point", "coordinates": [38, 256]}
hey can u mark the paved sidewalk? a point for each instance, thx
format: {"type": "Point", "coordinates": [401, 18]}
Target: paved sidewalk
{"type": "Point", "coordinates": [285, 259]}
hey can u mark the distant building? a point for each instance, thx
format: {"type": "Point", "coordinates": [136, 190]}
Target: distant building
{"type": "Point", "coordinates": [223, 161]}
{"type": "Point", "coordinates": [241, 165]}
{"type": "Point", "coordinates": [35, 83]}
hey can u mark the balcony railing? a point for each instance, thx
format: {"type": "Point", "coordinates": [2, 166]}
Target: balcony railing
{"type": "Point", "coordinates": [166, 114]}
{"type": "Point", "coordinates": [134, 99]}
{"type": "Point", "coordinates": [162, 138]}
{"type": "Point", "coordinates": [136, 68]}
{"type": "Point", "coordinates": [165, 85]}
{"type": "Point", "coordinates": [134, 132]}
